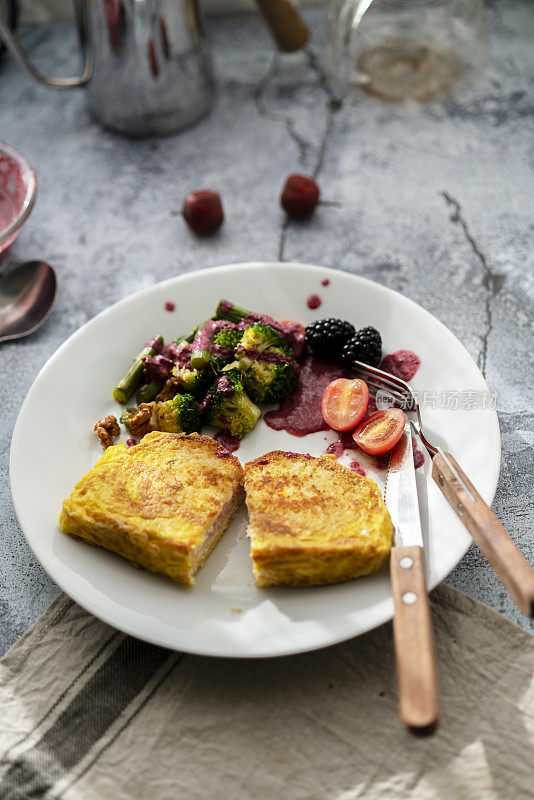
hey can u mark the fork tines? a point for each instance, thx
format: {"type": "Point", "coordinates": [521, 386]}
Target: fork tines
{"type": "Point", "coordinates": [389, 386]}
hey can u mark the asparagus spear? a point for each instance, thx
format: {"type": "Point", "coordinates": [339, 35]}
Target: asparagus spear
{"type": "Point", "coordinates": [200, 356]}
{"type": "Point", "coordinates": [148, 392]}
{"type": "Point", "coordinates": [131, 379]}
{"type": "Point", "coordinates": [231, 312]}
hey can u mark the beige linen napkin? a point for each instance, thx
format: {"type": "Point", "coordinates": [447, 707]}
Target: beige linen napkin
{"type": "Point", "coordinates": [89, 713]}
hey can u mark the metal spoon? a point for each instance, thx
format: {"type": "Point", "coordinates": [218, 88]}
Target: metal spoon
{"type": "Point", "coordinates": [27, 297]}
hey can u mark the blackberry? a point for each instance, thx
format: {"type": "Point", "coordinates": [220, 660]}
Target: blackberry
{"type": "Point", "coordinates": [365, 345]}
{"type": "Point", "coordinates": [327, 337]}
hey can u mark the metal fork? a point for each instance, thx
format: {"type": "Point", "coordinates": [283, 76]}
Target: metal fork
{"type": "Point", "coordinates": [499, 548]}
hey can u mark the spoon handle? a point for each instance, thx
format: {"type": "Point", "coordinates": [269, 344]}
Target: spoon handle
{"type": "Point", "coordinates": [286, 24]}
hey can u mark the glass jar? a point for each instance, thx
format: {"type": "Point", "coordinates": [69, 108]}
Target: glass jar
{"type": "Point", "coordinates": [404, 50]}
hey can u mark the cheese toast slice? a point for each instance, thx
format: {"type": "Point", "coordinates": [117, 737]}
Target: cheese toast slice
{"type": "Point", "coordinates": [313, 521]}
{"type": "Point", "coordinates": [162, 504]}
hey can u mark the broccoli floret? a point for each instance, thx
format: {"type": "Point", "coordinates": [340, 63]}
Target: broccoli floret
{"type": "Point", "coordinates": [271, 376]}
{"type": "Point", "coordinates": [181, 414]}
{"type": "Point", "coordinates": [224, 345]}
{"type": "Point", "coordinates": [255, 340]}
{"type": "Point", "coordinates": [204, 347]}
{"type": "Point", "coordinates": [229, 407]}
{"type": "Point", "coordinates": [228, 338]}
{"type": "Point", "coordinates": [190, 380]}
{"type": "Point", "coordinates": [270, 370]}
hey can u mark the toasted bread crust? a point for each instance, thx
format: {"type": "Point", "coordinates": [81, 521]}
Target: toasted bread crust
{"type": "Point", "coordinates": [313, 521]}
{"type": "Point", "coordinates": [162, 504]}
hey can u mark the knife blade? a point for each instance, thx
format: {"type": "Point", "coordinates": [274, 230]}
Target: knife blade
{"type": "Point", "coordinates": [401, 494]}
{"type": "Point", "coordinates": [412, 624]}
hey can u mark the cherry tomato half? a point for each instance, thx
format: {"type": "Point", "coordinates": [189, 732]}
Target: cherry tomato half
{"type": "Point", "coordinates": [380, 432]}
{"type": "Point", "coordinates": [344, 403]}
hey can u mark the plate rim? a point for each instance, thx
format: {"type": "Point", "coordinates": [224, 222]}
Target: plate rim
{"type": "Point", "coordinates": [294, 265]}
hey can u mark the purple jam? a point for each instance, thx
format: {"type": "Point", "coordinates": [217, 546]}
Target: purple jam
{"type": "Point", "coordinates": [325, 282]}
{"type": "Point", "coordinates": [224, 386]}
{"type": "Point", "coordinates": [179, 354]}
{"type": "Point", "coordinates": [335, 449]}
{"type": "Point", "coordinates": [402, 363]}
{"type": "Point", "coordinates": [300, 412]}
{"type": "Point", "coordinates": [355, 467]}
{"type": "Point", "coordinates": [157, 368]}
{"type": "Point", "coordinates": [418, 458]}
{"type": "Point", "coordinates": [131, 442]}
{"type": "Point", "coordinates": [204, 338]}
{"type": "Point", "coordinates": [228, 441]}
{"type": "Point", "coordinates": [169, 306]}
{"type": "Point", "coordinates": [271, 357]}
{"type": "Point", "coordinates": [345, 442]}
{"type": "Point", "coordinates": [294, 333]}
{"type": "Point", "coordinates": [223, 454]}
{"type": "Point", "coordinates": [381, 461]}
{"type": "Point", "coordinates": [313, 301]}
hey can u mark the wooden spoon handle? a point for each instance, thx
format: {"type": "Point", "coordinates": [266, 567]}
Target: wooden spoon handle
{"type": "Point", "coordinates": [286, 24]}
{"type": "Point", "coordinates": [496, 544]}
{"type": "Point", "coordinates": [414, 642]}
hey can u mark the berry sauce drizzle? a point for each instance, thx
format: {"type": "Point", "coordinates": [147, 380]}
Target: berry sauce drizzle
{"type": "Point", "coordinates": [227, 441]}
{"type": "Point", "coordinates": [313, 301]}
{"type": "Point", "coordinates": [300, 413]}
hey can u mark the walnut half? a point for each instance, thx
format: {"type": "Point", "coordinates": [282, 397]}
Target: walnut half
{"type": "Point", "coordinates": [105, 429]}
{"type": "Point", "coordinates": [144, 421]}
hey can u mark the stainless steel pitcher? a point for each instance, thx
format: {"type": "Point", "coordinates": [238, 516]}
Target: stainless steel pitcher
{"type": "Point", "coordinates": [147, 63]}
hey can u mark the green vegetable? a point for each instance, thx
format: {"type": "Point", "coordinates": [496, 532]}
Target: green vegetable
{"type": "Point", "coordinates": [269, 382]}
{"type": "Point", "coordinates": [227, 310]}
{"type": "Point", "coordinates": [270, 371]}
{"type": "Point", "coordinates": [131, 380]}
{"type": "Point", "coordinates": [229, 406]}
{"type": "Point", "coordinates": [222, 333]}
{"type": "Point", "coordinates": [257, 339]}
{"type": "Point", "coordinates": [181, 414]}
{"type": "Point", "coordinates": [148, 392]}
{"type": "Point", "coordinates": [229, 339]}
{"type": "Point", "coordinates": [189, 379]}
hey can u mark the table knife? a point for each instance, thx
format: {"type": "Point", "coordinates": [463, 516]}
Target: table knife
{"type": "Point", "coordinates": [412, 623]}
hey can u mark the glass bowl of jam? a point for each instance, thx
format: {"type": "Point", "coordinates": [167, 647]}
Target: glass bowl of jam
{"type": "Point", "coordinates": [18, 187]}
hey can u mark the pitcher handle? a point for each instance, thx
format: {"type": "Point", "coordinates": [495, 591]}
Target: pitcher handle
{"type": "Point", "coordinates": [19, 55]}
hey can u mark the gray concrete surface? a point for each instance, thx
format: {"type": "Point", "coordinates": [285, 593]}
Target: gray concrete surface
{"type": "Point", "coordinates": [436, 204]}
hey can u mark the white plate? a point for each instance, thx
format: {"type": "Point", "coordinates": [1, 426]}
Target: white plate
{"type": "Point", "coordinates": [224, 614]}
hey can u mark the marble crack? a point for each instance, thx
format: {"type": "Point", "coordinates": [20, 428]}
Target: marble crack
{"type": "Point", "coordinates": [491, 281]}
{"type": "Point", "coordinates": [303, 145]}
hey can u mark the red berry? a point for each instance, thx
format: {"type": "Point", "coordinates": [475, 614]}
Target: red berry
{"type": "Point", "coordinates": [203, 212]}
{"type": "Point", "coordinates": [300, 196]}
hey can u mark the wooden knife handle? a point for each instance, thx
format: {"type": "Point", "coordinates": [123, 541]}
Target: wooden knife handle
{"type": "Point", "coordinates": [499, 548]}
{"type": "Point", "coordinates": [286, 24]}
{"type": "Point", "coordinates": [414, 642]}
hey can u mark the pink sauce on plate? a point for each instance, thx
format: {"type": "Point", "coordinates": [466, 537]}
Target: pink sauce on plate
{"type": "Point", "coordinates": [402, 363]}
{"type": "Point", "coordinates": [229, 442]}
{"type": "Point", "coordinates": [355, 467]}
{"type": "Point", "coordinates": [300, 413]}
